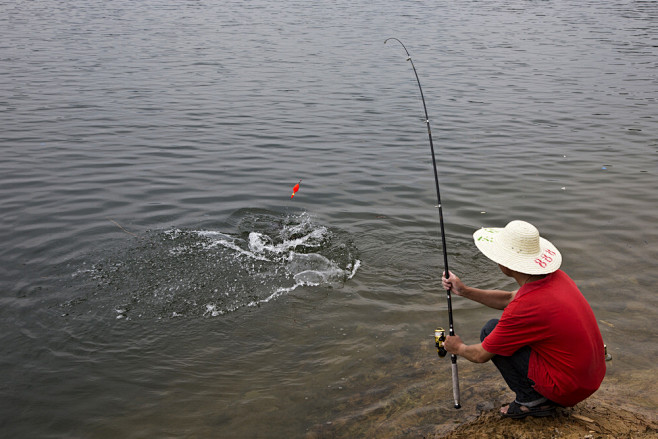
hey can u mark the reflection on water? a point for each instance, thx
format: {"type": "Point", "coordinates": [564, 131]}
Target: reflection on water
{"type": "Point", "coordinates": [148, 153]}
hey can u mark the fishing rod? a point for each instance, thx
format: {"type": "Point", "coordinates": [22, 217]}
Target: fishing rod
{"type": "Point", "coordinates": [439, 333]}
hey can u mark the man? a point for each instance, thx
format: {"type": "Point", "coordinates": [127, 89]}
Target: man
{"type": "Point", "coordinates": [547, 344]}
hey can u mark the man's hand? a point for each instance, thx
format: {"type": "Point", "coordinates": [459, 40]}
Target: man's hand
{"type": "Point", "coordinates": [453, 343]}
{"type": "Point", "coordinates": [474, 352]}
{"type": "Point", "coordinates": [497, 299]}
{"type": "Point", "coordinates": [453, 283]}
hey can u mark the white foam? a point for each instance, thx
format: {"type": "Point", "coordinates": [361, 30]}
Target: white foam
{"type": "Point", "coordinates": [260, 243]}
{"type": "Point", "coordinates": [173, 233]}
{"type": "Point", "coordinates": [281, 291]}
{"type": "Point", "coordinates": [311, 277]}
{"type": "Point", "coordinates": [230, 243]}
{"type": "Point", "coordinates": [355, 267]}
{"type": "Point", "coordinates": [212, 310]}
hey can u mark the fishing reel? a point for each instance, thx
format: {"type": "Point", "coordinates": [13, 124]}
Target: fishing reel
{"type": "Point", "coordinates": [439, 338]}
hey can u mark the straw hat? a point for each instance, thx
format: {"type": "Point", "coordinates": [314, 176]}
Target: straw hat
{"type": "Point", "coordinates": [518, 247]}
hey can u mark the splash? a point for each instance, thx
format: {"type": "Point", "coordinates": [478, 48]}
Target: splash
{"type": "Point", "coordinates": [209, 273]}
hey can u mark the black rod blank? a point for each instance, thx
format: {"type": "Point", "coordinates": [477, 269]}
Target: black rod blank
{"type": "Point", "coordinates": [453, 358]}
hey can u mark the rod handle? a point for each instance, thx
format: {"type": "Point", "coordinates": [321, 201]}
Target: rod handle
{"type": "Point", "coordinates": [455, 382]}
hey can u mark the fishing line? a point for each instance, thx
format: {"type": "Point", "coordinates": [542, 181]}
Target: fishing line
{"type": "Point", "coordinates": [453, 358]}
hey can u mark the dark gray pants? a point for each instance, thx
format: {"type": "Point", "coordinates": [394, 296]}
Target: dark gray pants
{"type": "Point", "coordinates": [514, 370]}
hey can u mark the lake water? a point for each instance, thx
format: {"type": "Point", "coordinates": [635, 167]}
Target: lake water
{"type": "Point", "coordinates": [157, 280]}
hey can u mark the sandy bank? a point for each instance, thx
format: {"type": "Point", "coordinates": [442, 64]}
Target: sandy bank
{"type": "Point", "coordinates": [591, 419]}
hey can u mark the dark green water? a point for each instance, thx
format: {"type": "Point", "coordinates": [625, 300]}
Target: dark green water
{"type": "Point", "coordinates": [156, 279]}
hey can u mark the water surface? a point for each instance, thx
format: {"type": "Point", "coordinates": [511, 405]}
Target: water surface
{"type": "Point", "coordinates": [157, 279]}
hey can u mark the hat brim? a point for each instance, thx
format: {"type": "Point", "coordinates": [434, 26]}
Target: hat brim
{"type": "Point", "coordinates": [546, 261]}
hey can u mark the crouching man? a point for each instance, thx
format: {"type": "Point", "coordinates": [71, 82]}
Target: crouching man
{"type": "Point", "coordinates": [547, 344]}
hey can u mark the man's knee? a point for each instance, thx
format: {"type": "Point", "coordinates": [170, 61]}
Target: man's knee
{"type": "Point", "coordinates": [487, 328]}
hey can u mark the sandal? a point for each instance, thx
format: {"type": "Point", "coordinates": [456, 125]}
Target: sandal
{"type": "Point", "coordinates": [515, 411]}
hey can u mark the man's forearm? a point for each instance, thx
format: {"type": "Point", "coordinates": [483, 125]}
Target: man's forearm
{"type": "Point", "coordinates": [474, 353]}
{"type": "Point", "coordinates": [497, 299]}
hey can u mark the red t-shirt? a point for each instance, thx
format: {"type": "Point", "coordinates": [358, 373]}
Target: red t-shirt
{"type": "Point", "coordinates": [551, 316]}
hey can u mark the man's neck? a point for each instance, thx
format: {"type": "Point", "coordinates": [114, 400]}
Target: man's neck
{"type": "Point", "coordinates": [523, 278]}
